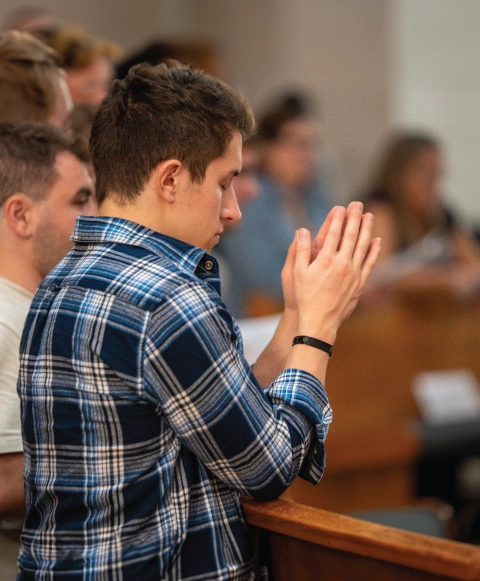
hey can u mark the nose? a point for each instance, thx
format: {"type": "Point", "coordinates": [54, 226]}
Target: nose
{"type": "Point", "coordinates": [230, 209]}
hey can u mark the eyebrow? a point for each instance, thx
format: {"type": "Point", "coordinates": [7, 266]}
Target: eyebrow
{"type": "Point", "coordinates": [84, 190]}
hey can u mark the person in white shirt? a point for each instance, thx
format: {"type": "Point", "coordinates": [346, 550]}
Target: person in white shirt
{"type": "Point", "coordinates": [44, 185]}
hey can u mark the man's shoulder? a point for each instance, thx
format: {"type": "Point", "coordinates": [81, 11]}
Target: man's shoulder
{"type": "Point", "coordinates": [12, 320]}
{"type": "Point", "coordinates": [9, 340]}
{"type": "Point", "coordinates": [14, 304]}
{"type": "Point", "coordinates": [129, 273]}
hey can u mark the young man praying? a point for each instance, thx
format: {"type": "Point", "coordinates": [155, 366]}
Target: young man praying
{"type": "Point", "coordinates": [142, 419]}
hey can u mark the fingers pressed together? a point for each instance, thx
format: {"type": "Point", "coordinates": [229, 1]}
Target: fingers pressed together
{"type": "Point", "coordinates": [347, 232]}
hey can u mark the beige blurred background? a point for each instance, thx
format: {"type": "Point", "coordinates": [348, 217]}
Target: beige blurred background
{"type": "Point", "coordinates": [374, 65]}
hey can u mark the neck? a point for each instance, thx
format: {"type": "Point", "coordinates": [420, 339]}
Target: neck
{"type": "Point", "coordinates": [17, 267]}
{"type": "Point", "coordinates": [136, 212]}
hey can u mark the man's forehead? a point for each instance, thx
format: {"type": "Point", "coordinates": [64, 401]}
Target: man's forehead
{"type": "Point", "coordinates": [231, 160]}
{"type": "Point", "coordinates": [235, 149]}
{"type": "Point", "coordinates": [69, 165]}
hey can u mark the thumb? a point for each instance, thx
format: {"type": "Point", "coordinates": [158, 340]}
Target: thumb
{"type": "Point", "coordinates": [290, 260]}
{"type": "Point", "coordinates": [303, 247]}
{"type": "Point", "coordinates": [289, 265]}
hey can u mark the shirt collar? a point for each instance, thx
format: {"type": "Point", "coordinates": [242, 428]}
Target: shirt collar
{"type": "Point", "coordinates": [104, 229]}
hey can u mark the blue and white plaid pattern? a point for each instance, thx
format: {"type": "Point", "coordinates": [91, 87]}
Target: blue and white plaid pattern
{"type": "Point", "coordinates": [142, 420]}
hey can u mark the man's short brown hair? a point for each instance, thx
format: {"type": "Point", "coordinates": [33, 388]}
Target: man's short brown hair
{"type": "Point", "coordinates": [28, 152]}
{"type": "Point", "coordinates": [166, 111]}
{"type": "Point", "coordinates": [28, 75]}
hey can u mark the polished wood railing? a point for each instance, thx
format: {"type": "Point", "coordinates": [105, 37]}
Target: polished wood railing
{"type": "Point", "coordinates": [307, 544]}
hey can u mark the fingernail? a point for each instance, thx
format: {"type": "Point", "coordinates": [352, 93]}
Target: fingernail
{"type": "Point", "coordinates": [302, 234]}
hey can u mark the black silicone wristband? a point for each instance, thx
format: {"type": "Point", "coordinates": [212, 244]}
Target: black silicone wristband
{"type": "Point", "coordinates": [312, 342]}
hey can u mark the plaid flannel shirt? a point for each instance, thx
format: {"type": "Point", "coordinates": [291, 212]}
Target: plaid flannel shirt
{"type": "Point", "coordinates": [142, 421]}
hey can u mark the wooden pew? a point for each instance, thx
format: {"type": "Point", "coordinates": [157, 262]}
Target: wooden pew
{"type": "Point", "coordinates": [378, 353]}
{"type": "Point", "coordinates": [370, 469]}
{"type": "Point", "coordinates": [307, 544]}
{"type": "Point", "coordinates": [372, 446]}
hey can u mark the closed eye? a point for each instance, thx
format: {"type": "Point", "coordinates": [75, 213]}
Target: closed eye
{"type": "Point", "coordinates": [229, 179]}
{"type": "Point", "coordinates": [82, 197]}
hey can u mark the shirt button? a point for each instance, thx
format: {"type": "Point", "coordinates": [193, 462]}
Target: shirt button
{"type": "Point", "coordinates": [208, 264]}
{"type": "Point", "coordinates": [53, 288]}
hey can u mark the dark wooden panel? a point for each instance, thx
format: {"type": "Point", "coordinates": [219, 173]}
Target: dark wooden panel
{"type": "Point", "coordinates": [303, 561]}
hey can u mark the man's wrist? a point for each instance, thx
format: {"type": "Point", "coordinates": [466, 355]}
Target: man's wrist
{"type": "Point", "coordinates": [313, 342]}
{"type": "Point", "coordinates": [324, 333]}
{"type": "Point", "coordinates": [290, 314]}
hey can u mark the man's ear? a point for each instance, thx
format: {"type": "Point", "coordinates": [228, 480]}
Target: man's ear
{"type": "Point", "coordinates": [168, 175]}
{"type": "Point", "coordinates": [21, 215]}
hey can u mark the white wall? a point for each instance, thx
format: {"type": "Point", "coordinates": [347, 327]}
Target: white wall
{"type": "Point", "coordinates": [126, 21]}
{"type": "Point", "coordinates": [435, 77]}
{"type": "Point", "coordinates": [336, 49]}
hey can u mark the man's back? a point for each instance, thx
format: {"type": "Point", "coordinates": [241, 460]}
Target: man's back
{"type": "Point", "coordinates": [113, 441]}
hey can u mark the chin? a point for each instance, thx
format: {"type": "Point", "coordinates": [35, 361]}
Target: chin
{"type": "Point", "coordinates": [211, 246]}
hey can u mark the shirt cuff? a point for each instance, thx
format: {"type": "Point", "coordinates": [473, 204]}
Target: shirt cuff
{"type": "Point", "coordinates": [305, 393]}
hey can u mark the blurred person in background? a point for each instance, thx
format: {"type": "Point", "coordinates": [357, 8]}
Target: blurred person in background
{"type": "Point", "coordinates": [32, 89]}
{"type": "Point", "coordinates": [201, 55]}
{"type": "Point", "coordinates": [89, 62]}
{"type": "Point", "coordinates": [424, 244]}
{"type": "Point", "coordinates": [44, 185]}
{"type": "Point", "coordinates": [290, 195]}
{"type": "Point", "coordinates": [82, 118]}
{"type": "Point", "coordinates": [32, 84]}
